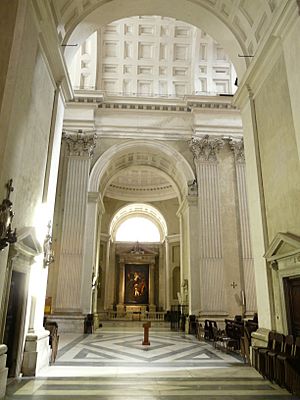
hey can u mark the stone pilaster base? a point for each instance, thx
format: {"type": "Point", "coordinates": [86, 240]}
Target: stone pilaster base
{"type": "Point", "coordinates": [68, 323]}
{"type": "Point", "coordinates": [36, 353]}
{"type": "Point", "coordinates": [3, 370]}
{"type": "Point", "coordinates": [120, 310]}
{"type": "Point", "coordinates": [152, 310]}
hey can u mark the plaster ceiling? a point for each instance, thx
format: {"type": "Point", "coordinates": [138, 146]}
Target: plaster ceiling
{"type": "Point", "coordinates": [140, 183]}
{"type": "Point", "coordinates": [239, 26]}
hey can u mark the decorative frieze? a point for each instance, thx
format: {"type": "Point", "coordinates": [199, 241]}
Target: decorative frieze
{"type": "Point", "coordinates": [206, 148]}
{"type": "Point", "coordinates": [80, 143]}
{"type": "Point", "coordinates": [237, 146]}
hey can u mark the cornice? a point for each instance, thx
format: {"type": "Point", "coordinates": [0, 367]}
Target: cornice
{"type": "Point", "coordinates": [189, 104]}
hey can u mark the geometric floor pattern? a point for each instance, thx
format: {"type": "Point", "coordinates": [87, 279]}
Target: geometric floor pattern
{"type": "Point", "coordinates": [114, 365]}
{"type": "Point", "coordinates": [125, 349]}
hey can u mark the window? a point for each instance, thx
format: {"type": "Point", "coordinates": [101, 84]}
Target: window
{"type": "Point", "coordinates": [138, 229]}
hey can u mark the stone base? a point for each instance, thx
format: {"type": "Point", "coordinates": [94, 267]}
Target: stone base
{"type": "Point", "coordinates": [152, 311]}
{"type": "Point", "coordinates": [3, 370]}
{"type": "Point", "coordinates": [120, 310]}
{"type": "Point", "coordinates": [36, 353]}
{"type": "Point", "coordinates": [260, 337]}
{"type": "Point", "coordinates": [68, 323]}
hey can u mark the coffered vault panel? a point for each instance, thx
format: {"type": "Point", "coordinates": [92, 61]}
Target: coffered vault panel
{"type": "Point", "coordinates": [247, 21]}
{"type": "Point", "coordinates": [152, 56]}
{"type": "Point", "coordinates": [141, 183]}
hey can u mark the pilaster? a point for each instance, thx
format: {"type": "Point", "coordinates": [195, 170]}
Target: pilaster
{"type": "Point", "coordinates": [249, 295]}
{"type": "Point", "coordinates": [80, 147]}
{"type": "Point", "coordinates": [3, 370]}
{"type": "Point", "coordinates": [211, 278]}
{"type": "Point", "coordinates": [189, 261]}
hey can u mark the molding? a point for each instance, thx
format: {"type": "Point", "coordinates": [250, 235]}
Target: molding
{"type": "Point", "coordinates": [267, 54]}
{"type": "Point", "coordinates": [186, 203]}
{"type": "Point", "coordinates": [173, 238]}
{"type": "Point", "coordinates": [27, 244]}
{"type": "Point", "coordinates": [50, 47]}
{"type": "Point", "coordinates": [188, 104]}
{"type": "Point", "coordinates": [289, 245]}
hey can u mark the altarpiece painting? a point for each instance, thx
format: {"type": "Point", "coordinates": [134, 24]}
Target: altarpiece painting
{"type": "Point", "coordinates": [136, 284]}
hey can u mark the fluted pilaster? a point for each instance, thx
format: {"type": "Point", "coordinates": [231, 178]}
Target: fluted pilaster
{"type": "Point", "coordinates": [79, 152]}
{"type": "Point", "coordinates": [237, 147]}
{"type": "Point", "coordinates": [212, 289]}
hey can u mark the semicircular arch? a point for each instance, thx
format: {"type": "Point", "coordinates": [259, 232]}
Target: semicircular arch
{"type": "Point", "coordinates": [138, 210]}
{"type": "Point", "coordinates": [161, 156]}
{"type": "Point", "coordinates": [194, 13]}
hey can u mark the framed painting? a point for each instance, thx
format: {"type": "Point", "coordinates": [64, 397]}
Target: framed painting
{"type": "Point", "coordinates": [136, 283]}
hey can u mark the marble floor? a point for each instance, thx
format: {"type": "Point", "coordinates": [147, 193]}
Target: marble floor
{"type": "Point", "coordinates": [113, 364]}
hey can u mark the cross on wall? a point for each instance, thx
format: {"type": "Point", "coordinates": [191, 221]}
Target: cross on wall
{"type": "Point", "coordinates": [233, 284]}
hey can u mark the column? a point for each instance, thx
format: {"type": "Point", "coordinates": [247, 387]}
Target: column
{"type": "Point", "coordinates": [90, 262]}
{"type": "Point", "coordinates": [167, 276]}
{"type": "Point", "coordinates": [120, 305]}
{"type": "Point", "coordinates": [152, 306]}
{"type": "Point", "coordinates": [80, 147]}
{"type": "Point", "coordinates": [249, 296]}
{"type": "Point", "coordinates": [211, 280]}
{"type": "Point", "coordinates": [189, 257]}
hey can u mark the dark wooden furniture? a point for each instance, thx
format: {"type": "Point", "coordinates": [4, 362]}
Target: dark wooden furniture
{"type": "Point", "coordinates": [292, 369]}
{"type": "Point", "coordinates": [281, 358]}
{"type": "Point", "coordinates": [52, 327]}
{"type": "Point", "coordinates": [270, 356]}
{"type": "Point", "coordinates": [258, 360]}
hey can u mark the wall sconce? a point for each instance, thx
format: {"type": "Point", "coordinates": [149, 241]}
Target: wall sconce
{"type": "Point", "coordinates": [47, 247]}
{"type": "Point", "coordinates": [7, 236]}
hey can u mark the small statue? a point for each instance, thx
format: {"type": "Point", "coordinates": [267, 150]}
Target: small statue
{"type": "Point", "coordinates": [6, 216]}
{"type": "Point", "coordinates": [193, 188]}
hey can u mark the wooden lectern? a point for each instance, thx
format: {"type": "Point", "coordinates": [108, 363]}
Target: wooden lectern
{"type": "Point", "coordinates": [146, 327]}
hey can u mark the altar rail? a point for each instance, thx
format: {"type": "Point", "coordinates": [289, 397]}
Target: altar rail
{"type": "Point", "coordinates": [134, 316]}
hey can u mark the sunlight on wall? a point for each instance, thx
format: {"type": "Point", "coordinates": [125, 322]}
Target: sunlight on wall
{"type": "Point", "coordinates": [138, 229]}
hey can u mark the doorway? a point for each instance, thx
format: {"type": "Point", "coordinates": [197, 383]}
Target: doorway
{"type": "Point", "coordinates": [292, 298]}
{"type": "Point", "coordinates": [14, 321]}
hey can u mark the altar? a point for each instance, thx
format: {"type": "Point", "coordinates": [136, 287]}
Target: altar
{"type": "Point", "coordinates": [136, 282]}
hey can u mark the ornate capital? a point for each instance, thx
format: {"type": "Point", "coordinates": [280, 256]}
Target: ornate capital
{"type": "Point", "coordinates": [237, 146]}
{"type": "Point", "coordinates": [80, 143]}
{"type": "Point", "coordinates": [205, 148]}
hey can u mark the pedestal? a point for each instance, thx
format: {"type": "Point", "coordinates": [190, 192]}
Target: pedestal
{"type": "Point", "coordinates": [3, 370]}
{"type": "Point", "coordinates": [36, 353]}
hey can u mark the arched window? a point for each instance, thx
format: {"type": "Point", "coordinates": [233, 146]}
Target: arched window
{"type": "Point", "coordinates": [137, 229]}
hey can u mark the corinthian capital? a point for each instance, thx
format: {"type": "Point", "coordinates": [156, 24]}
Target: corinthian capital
{"type": "Point", "coordinates": [237, 146]}
{"type": "Point", "coordinates": [80, 143]}
{"type": "Point", "coordinates": [205, 148]}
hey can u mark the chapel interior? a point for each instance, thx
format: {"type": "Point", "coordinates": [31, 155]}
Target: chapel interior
{"type": "Point", "coordinates": [149, 170]}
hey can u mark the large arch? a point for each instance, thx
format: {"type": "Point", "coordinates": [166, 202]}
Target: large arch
{"type": "Point", "coordinates": [195, 13]}
{"type": "Point", "coordinates": [142, 152]}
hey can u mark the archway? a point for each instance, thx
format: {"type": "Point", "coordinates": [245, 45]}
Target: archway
{"type": "Point", "coordinates": [167, 163]}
